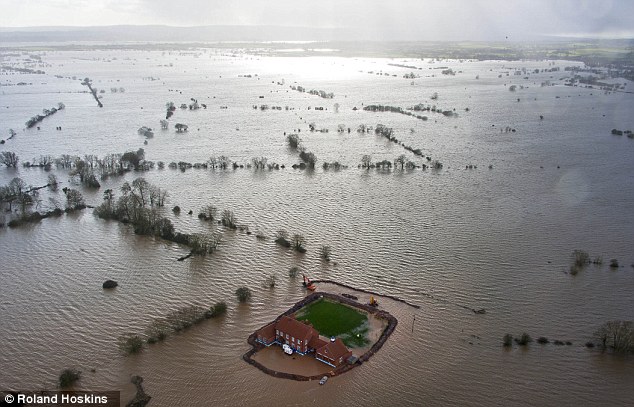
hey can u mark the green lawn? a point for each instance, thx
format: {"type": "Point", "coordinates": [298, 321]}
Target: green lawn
{"type": "Point", "coordinates": [334, 319]}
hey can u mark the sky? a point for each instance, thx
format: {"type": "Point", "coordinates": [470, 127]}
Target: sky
{"type": "Point", "coordinates": [371, 19]}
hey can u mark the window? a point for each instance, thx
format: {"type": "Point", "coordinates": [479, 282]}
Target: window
{"type": "Point", "coordinates": [299, 341]}
{"type": "Point", "coordinates": [292, 339]}
{"type": "Point", "coordinates": [277, 332]}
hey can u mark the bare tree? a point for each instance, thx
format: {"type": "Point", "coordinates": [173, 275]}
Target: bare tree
{"type": "Point", "coordinates": [203, 243]}
{"type": "Point", "coordinates": [366, 161]}
{"type": "Point", "coordinates": [141, 190]}
{"type": "Point", "coordinates": [223, 162]}
{"type": "Point", "coordinates": [209, 212]}
{"type": "Point", "coordinates": [9, 158]}
{"type": "Point", "coordinates": [298, 242]}
{"type": "Point", "coordinates": [158, 196]}
{"type": "Point", "coordinates": [228, 219]}
{"type": "Point", "coordinates": [325, 252]}
{"type": "Point", "coordinates": [616, 335]}
{"type": "Point", "coordinates": [259, 162]}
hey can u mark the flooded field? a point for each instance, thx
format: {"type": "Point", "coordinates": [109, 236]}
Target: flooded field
{"type": "Point", "coordinates": [530, 172]}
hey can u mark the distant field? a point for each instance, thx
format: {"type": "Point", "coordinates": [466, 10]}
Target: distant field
{"type": "Point", "coordinates": [334, 319]}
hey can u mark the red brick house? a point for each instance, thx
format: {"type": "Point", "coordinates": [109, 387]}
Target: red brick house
{"type": "Point", "coordinates": [333, 353]}
{"type": "Point", "coordinates": [266, 335]}
{"type": "Point", "coordinates": [303, 339]}
{"type": "Point", "coordinates": [295, 334]}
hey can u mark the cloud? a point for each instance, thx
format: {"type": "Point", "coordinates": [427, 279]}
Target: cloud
{"type": "Point", "coordinates": [374, 19]}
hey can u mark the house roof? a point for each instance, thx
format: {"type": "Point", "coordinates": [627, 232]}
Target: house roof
{"type": "Point", "coordinates": [295, 328]}
{"type": "Point", "coordinates": [334, 350]}
{"type": "Point", "coordinates": [268, 331]}
{"type": "Point", "coordinates": [315, 342]}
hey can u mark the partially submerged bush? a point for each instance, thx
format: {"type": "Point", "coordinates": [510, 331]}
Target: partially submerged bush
{"type": "Point", "coordinates": [524, 339]}
{"type": "Point", "coordinates": [269, 282]}
{"type": "Point", "coordinates": [68, 377]}
{"type": "Point", "coordinates": [130, 343]}
{"type": "Point", "coordinates": [293, 140]}
{"type": "Point", "coordinates": [218, 309]}
{"type": "Point", "coordinates": [185, 317]}
{"type": "Point", "coordinates": [617, 336]}
{"type": "Point", "coordinates": [281, 238]}
{"type": "Point", "coordinates": [324, 252]}
{"type": "Point", "coordinates": [543, 340]}
{"type": "Point", "coordinates": [228, 219]}
{"type": "Point", "coordinates": [208, 212]}
{"type": "Point", "coordinates": [157, 331]}
{"type": "Point", "coordinates": [243, 294]}
{"type": "Point", "coordinates": [298, 243]}
{"type": "Point", "coordinates": [580, 258]}
{"type": "Point", "coordinates": [614, 263]}
{"type": "Point", "coordinates": [293, 271]}
{"type": "Point", "coordinates": [507, 340]}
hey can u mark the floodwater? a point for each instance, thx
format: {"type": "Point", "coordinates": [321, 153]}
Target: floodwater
{"type": "Point", "coordinates": [498, 238]}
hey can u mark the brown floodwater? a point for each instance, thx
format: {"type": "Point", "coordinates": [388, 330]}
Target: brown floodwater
{"type": "Point", "coordinates": [449, 241]}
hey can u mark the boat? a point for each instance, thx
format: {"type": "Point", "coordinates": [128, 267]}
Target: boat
{"type": "Point", "coordinates": [323, 380]}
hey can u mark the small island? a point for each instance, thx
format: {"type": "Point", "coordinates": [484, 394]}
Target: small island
{"type": "Point", "coordinates": [323, 334]}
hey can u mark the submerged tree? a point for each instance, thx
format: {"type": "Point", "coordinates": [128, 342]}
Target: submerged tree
{"type": "Point", "coordinates": [616, 335]}
{"type": "Point", "coordinates": [130, 343]}
{"type": "Point", "coordinates": [269, 282]}
{"type": "Point", "coordinates": [293, 140]}
{"type": "Point", "coordinates": [74, 199]}
{"type": "Point", "coordinates": [579, 259]}
{"type": "Point", "coordinates": [243, 294]}
{"type": "Point", "coordinates": [9, 158]}
{"type": "Point", "coordinates": [507, 340]}
{"type": "Point", "coordinates": [228, 219]}
{"type": "Point", "coordinates": [259, 162]}
{"type": "Point", "coordinates": [281, 238]}
{"type": "Point", "coordinates": [309, 158]}
{"type": "Point", "coordinates": [203, 243]}
{"type": "Point", "coordinates": [325, 252]}
{"type": "Point", "coordinates": [298, 242]}
{"type": "Point", "coordinates": [68, 377]}
{"type": "Point", "coordinates": [208, 212]}
{"type": "Point", "coordinates": [366, 161]}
